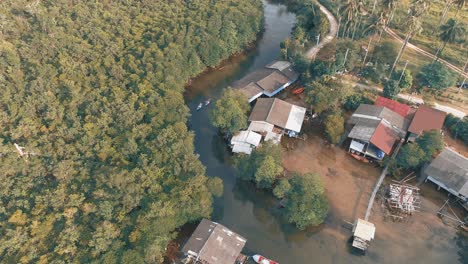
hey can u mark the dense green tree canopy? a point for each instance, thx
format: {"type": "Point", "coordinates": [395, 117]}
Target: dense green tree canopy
{"type": "Point", "coordinates": [334, 127]}
{"type": "Point", "coordinates": [230, 111]}
{"type": "Point", "coordinates": [391, 89]}
{"type": "Point", "coordinates": [94, 88]}
{"type": "Point", "coordinates": [436, 76]}
{"type": "Point", "coordinates": [282, 188]}
{"type": "Point", "coordinates": [403, 78]}
{"type": "Point", "coordinates": [412, 156]}
{"type": "Point", "coordinates": [326, 94]}
{"type": "Point", "coordinates": [385, 53]}
{"type": "Point", "coordinates": [353, 101]}
{"type": "Point", "coordinates": [457, 127]}
{"type": "Point", "coordinates": [307, 204]}
{"type": "Point", "coordinates": [263, 166]}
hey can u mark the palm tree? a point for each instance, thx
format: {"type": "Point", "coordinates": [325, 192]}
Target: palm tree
{"type": "Point", "coordinates": [448, 4]}
{"type": "Point", "coordinates": [373, 7]}
{"type": "Point", "coordinates": [350, 11]}
{"type": "Point", "coordinates": [390, 7]}
{"type": "Point", "coordinates": [460, 4]}
{"type": "Point", "coordinates": [377, 25]}
{"type": "Point", "coordinates": [417, 9]}
{"type": "Point", "coordinates": [450, 31]}
{"type": "Point", "coordinates": [414, 27]}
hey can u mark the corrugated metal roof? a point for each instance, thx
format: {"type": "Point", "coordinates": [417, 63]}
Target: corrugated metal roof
{"type": "Point", "coordinates": [269, 79]}
{"type": "Point", "coordinates": [451, 169]}
{"type": "Point", "coordinates": [367, 110]}
{"type": "Point", "coordinates": [364, 230]}
{"type": "Point", "coordinates": [273, 82]}
{"type": "Point", "coordinates": [252, 77]}
{"type": "Point", "coordinates": [279, 65]}
{"type": "Point", "coordinates": [296, 118]}
{"type": "Point", "coordinates": [261, 109]}
{"type": "Point", "coordinates": [374, 113]}
{"type": "Point", "coordinates": [427, 119]}
{"type": "Point", "coordinates": [357, 146]}
{"type": "Point", "coordinates": [252, 91]}
{"type": "Point", "coordinates": [279, 113]}
{"type": "Point", "coordinates": [199, 236]}
{"type": "Point", "coordinates": [363, 132]}
{"type": "Point", "coordinates": [245, 148]}
{"type": "Point", "coordinates": [214, 243]}
{"type": "Point", "coordinates": [248, 137]}
{"type": "Point", "coordinates": [384, 138]}
{"type": "Point", "coordinates": [260, 126]}
{"type": "Point", "coordinates": [291, 73]}
{"type": "Point", "coordinates": [397, 107]}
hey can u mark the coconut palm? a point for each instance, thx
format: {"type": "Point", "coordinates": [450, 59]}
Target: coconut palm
{"type": "Point", "coordinates": [414, 27]}
{"type": "Point", "coordinates": [460, 4]}
{"type": "Point", "coordinates": [389, 6]}
{"type": "Point", "coordinates": [417, 9]}
{"type": "Point", "coordinates": [377, 25]}
{"type": "Point", "coordinates": [450, 31]}
{"type": "Point", "coordinates": [349, 12]}
{"type": "Point", "coordinates": [448, 4]}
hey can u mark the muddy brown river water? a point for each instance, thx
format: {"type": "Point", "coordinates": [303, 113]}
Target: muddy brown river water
{"type": "Point", "coordinates": [254, 213]}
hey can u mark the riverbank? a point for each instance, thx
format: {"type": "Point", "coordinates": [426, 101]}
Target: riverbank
{"type": "Point", "coordinates": [254, 213]}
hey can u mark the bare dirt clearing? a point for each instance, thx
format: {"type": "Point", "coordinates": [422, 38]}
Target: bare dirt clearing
{"type": "Point", "coordinates": [349, 183]}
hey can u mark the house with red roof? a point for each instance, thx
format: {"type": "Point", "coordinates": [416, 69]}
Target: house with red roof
{"type": "Point", "coordinates": [397, 107]}
{"type": "Point", "coordinates": [375, 131]}
{"type": "Point", "coordinates": [425, 119]}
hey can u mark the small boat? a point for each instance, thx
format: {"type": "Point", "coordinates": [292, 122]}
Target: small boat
{"type": "Point", "coordinates": [207, 102]}
{"type": "Point", "coordinates": [360, 158]}
{"type": "Point", "coordinates": [298, 90]}
{"type": "Point", "coordinates": [262, 260]}
{"type": "Point", "coordinates": [199, 106]}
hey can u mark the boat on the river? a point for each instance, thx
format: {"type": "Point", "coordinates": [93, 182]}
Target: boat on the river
{"type": "Point", "coordinates": [199, 106]}
{"type": "Point", "coordinates": [262, 260]}
{"type": "Point", "coordinates": [207, 102]}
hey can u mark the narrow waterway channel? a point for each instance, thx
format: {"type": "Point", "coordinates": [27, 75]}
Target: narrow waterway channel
{"type": "Point", "coordinates": [253, 213]}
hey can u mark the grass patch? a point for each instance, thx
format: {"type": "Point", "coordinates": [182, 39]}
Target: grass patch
{"type": "Point", "coordinates": [428, 39]}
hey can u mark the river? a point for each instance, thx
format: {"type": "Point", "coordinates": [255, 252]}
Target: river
{"type": "Point", "coordinates": [253, 213]}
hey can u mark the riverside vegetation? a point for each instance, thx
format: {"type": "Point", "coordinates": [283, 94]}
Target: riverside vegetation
{"type": "Point", "coordinates": [94, 90]}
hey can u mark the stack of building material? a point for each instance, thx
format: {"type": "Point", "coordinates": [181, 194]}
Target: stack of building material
{"type": "Point", "coordinates": [404, 198]}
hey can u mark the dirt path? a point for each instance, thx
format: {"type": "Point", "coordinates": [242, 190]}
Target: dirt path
{"type": "Point", "coordinates": [425, 53]}
{"type": "Point", "coordinates": [411, 98]}
{"type": "Point", "coordinates": [329, 37]}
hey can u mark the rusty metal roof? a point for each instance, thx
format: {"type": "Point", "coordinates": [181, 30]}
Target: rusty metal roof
{"type": "Point", "coordinates": [397, 107]}
{"type": "Point", "coordinates": [384, 137]}
{"type": "Point", "coordinates": [427, 119]}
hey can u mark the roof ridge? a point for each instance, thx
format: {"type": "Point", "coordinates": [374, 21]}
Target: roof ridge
{"type": "Point", "coordinates": [271, 108]}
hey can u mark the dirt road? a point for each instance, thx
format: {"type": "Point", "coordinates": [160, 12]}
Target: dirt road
{"type": "Point", "coordinates": [329, 37]}
{"type": "Point", "coordinates": [425, 53]}
{"type": "Point", "coordinates": [411, 98]}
